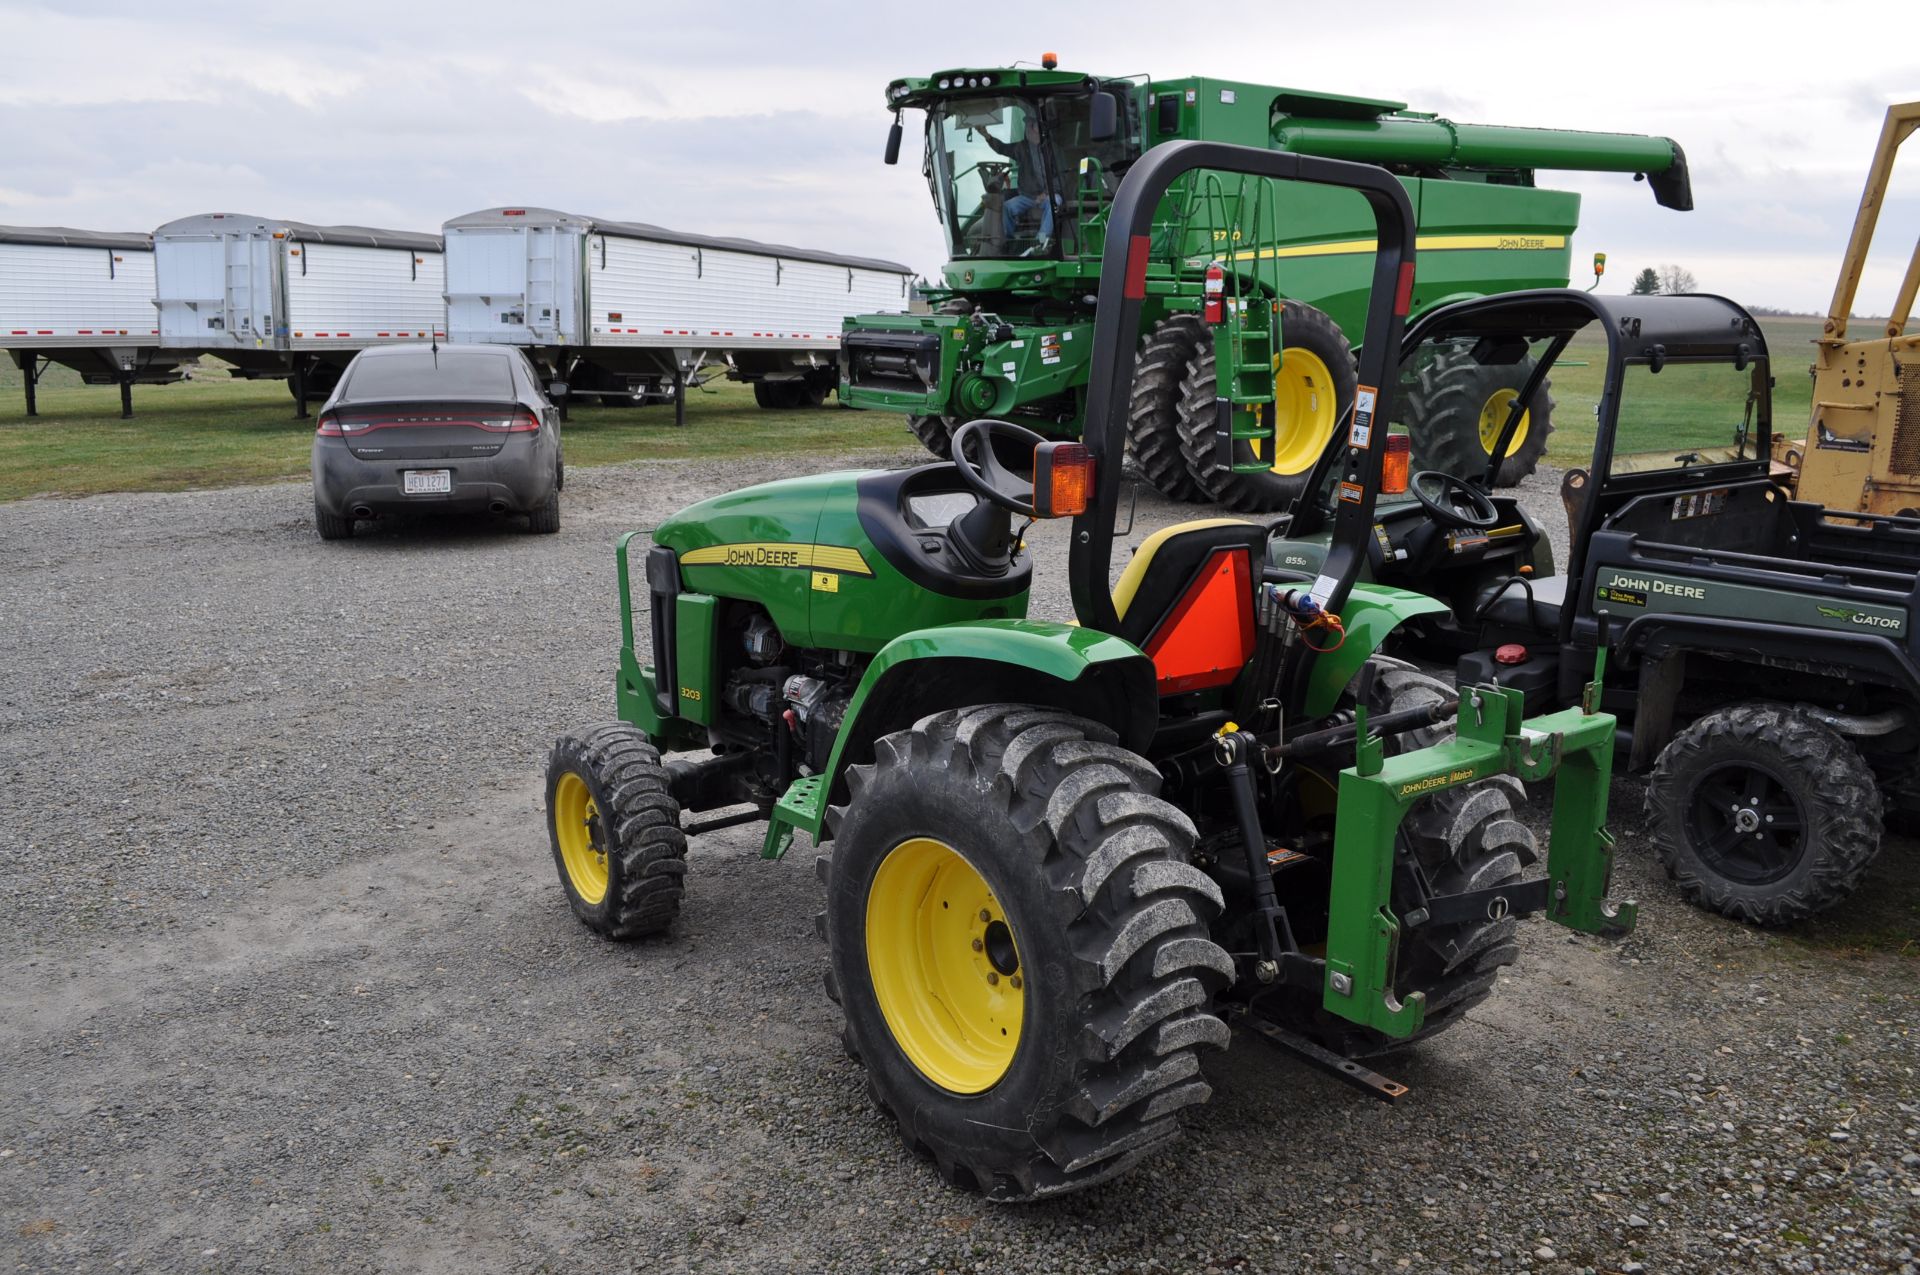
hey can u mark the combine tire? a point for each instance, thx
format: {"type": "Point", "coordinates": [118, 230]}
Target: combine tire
{"type": "Point", "coordinates": [1456, 409]}
{"type": "Point", "coordinates": [935, 434]}
{"type": "Point", "coordinates": [615, 830]}
{"type": "Point", "coordinates": [1020, 948]}
{"type": "Point", "coordinates": [1465, 838]}
{"type": "Point", "coordinates": [1312, 389]}
{"type": "Point", "coordinates": [1764, 814]}
{"type": "Point", "coordinates": [1153, 414]}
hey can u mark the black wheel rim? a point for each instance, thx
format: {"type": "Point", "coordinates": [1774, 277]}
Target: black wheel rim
{"type": "Point", "coordinates": [1745, 823]}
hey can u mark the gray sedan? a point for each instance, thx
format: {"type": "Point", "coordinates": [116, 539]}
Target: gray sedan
{"type": "Point", "coordinates": [423, 428]}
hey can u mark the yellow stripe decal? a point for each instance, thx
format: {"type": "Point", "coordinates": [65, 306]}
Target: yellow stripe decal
{"type": "Point", "coordinates": [765, 553]}
{"type": "Point", "coordinates": [1424, 243]}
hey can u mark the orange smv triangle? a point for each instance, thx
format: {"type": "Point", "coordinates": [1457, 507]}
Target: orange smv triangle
{"type": "Point", "coordinates": [1208, 636]}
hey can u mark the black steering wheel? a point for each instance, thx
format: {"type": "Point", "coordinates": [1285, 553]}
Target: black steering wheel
{"type": "Point", "coordinates": [980, 467]}
{"type": "Point", "coordinates": [1451, 493]}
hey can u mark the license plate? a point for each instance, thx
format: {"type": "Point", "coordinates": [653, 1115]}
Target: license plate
{"type": "Point", "coordinates": [426, 482]}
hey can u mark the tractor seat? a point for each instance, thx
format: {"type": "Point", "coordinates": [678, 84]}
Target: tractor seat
{"type": "Point", "coordinates": [1505, 604]}
{"type": "Point", "coordinates": [1186, 599]}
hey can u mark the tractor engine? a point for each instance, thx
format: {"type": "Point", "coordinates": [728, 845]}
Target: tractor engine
{"type": "Point", "coordinates": [801, 695]}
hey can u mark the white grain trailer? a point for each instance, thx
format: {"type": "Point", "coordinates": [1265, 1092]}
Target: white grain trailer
{"type": "Point", "coordinates": [289, 299]}
{"type": "Point", "coordinates": [634, 312]}
{"type": "Point", "coordinates": [82, 299]}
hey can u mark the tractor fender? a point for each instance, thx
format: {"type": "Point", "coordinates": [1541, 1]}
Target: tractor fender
{"type": "Point", "coordinates": [1083, 671]}
{"type": "Point", "coordinates": [1372, 612]}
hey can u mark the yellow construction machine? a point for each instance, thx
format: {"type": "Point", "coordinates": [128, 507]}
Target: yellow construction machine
{"type": "Point", "coordinates": [1862, 448]}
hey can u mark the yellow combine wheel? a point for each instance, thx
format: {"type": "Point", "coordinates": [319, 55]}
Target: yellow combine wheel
{"type": "Point", "coordinates": [615, 831]}
{"type": "Point", "coordinates": [1020, 948]}
{"type": "Point", "coordinates": [1313, 384]}
{"type": "Point", "coordinates": [1455, 409]}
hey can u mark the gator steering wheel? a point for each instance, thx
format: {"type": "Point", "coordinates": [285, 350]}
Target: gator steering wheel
{"type": "Point", "coordinates": [986, 475]}
{"type": "Point", "coordinates": [1453, 492]}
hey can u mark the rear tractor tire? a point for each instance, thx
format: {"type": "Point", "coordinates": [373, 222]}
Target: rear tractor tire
{"type": "Point", "coordinates": [1020, 948]}
{"type": "Point", "coordinates": [615, 831]}
{"type": "Point", "coordinates": [1153, 411]}
{"type": "Point", "coordinates": [1763, 814]}
{"type": "Point", "coordinates": [1456, 408]}
{"type": "Point", "coordinates": [1312, 388]}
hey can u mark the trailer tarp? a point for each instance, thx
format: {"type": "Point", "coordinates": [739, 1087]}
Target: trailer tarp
{"type": "Point", "coordinates": [497, 217]}
{"type": "Point", "coordinates": [304, 232]}
{"type": "Point", "coordinates": [66, 237]}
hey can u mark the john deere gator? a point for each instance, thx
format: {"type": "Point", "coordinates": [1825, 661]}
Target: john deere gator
{"type": "Point", "coordinates": [1022, 165]}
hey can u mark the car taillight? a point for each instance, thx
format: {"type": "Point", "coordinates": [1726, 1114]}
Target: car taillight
{"type": "Point", "coordinates": [519, 424]}
{"type": "Point", "coordinates": [330, 428]}
{"type": "Point", "coordinates": [1214, 308]}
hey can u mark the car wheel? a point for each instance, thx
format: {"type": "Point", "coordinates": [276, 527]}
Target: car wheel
{"type": "Point", "coordinates": [545, 519]}
{"type": "Point", "coordinates": [331, 526]}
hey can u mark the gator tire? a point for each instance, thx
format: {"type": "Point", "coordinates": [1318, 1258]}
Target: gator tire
{"type": "Point", "coordinates": [1779, 763]}
{"type": "Point", "coordinates": [331, 526]}
{"type": "Point", "coordinates": [1443, 409]}
{"type": "Point", "coordinates": [1465, 838]}
{"type": "Point", "coordinates": [935, 434]}
{"type": "Point", "coordinates": [1153, 411]}
{"type": "Point", "coordinates": [1304, 331]}
{"type": "Point", "coordinates": [1084, 870]}
{"type": "Point", "coordinates": [624, 872]}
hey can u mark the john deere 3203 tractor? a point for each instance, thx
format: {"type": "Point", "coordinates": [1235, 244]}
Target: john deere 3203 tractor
{"type": "Point", "coordinates": [1022, 164]}
{"type": "Point", "coordinates": [1061, 859]}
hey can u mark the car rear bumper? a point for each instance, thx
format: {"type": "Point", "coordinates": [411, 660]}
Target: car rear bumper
{"type": "Point", "coordinates": [517, 479]}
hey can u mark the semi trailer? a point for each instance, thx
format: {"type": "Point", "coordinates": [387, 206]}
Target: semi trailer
{"type": "Point", "coordinates": [277, 298]}
{"type": "Point", "coordinates": [82, 299]}
{"type": "Point", "coordinates": [1254, 292]}
{"type": "Point", "coordinates": [632, 312]}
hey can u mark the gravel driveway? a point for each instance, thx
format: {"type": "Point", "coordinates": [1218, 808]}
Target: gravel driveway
{"type": "Point", "coordinates": [290, 985]}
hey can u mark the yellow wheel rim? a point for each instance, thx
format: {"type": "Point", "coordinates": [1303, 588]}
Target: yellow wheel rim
{"type": "Point", "coordinates": [1493, 419]}
{"type": "Point", "coordinates": [944, 965]}
{"type": "Point", "coordinates": [1304, 409]}
{"type": "Point", "coordinates": [583, 848]}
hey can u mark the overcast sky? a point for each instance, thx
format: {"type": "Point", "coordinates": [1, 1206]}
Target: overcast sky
{"type": "Point", "coordinates": [766, 120]}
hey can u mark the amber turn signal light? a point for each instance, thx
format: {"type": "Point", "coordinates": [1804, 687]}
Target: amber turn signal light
{"type": "Point", "coordinates": [1062, 479]}
{"type": "Point", "coordinates": [1395, 465]}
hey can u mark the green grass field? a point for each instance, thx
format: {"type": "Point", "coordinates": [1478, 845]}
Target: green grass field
{"type": "Point", "coordinates": [214, 431]}
{"type": "Point", "coordinates": [217, 432]}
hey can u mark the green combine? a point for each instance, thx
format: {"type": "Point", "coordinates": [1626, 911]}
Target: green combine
{"type": "Point", "coordinates": [1023, 165]}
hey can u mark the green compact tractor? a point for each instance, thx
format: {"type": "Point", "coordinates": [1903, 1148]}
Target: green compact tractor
{"type": "Point", "coordinates": [1260, 306]}
{"type": "Point", "coordinates": [1060, 859]}
{"type": "Point", "coordinates": [1762, 652]}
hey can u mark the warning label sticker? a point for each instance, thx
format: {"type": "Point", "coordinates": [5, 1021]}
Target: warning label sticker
{"type": "Point", "coordinates": [1363, 400]}
{"type": "Point", "coordinates": [1351, 492]}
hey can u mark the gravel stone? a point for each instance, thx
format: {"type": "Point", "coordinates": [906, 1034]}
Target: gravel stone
{"type": "Point", "coordinates": [288, 982]}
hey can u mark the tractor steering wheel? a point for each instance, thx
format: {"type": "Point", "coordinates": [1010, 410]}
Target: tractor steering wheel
{"type": "Point", "coordinates": [1451, 493]}
{"type": "Point", "coordinates": [986, 475]}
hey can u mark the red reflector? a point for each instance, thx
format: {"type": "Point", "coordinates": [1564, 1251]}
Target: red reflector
{"type": "Point", "coordinates": [1138, 250]}
{"type": "Point", "coordinates": [513, 212]}
{"type": "Point", "coordinates": [1511, 653]}
{"type": "Point", "coordinates": [1403, 294]}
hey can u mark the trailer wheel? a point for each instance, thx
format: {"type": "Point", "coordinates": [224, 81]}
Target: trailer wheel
{"type": "Point", "coordinates": [1153, 412]}
{"type": "Point", "coordinates": [331, 526]}
{"type": "Point", "coordinates": [1764, 814]}
{"type": "Point", "coordinates": [1456, 408]}
{"type": "Point", "coordinates": [1020, 948]}
{"type": "Point", "coordinates": [1312, 387]}
{"type": "Point", "coordinates": [780, 396]}
{"type": "Point", "coordinates": [1461, 839]}
{"type": "Point", "coordinates": [615, 831]}
{"type": "Point", "coordinates": [935, 434]}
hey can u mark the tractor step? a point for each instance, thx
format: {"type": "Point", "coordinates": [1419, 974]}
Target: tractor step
{"type": "Point", "coordinates": [1318, 1056]}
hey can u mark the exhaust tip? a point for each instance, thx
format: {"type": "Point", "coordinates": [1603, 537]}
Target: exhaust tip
{"type": "Point", "coordinates": [498, 506]}
{"type": "Point", "coordinates": [362, 511]}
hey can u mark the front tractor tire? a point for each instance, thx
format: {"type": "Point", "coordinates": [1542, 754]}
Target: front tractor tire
{"type": "Point", "coordinates": [615, 831]}
{"type": "Point", "coordinates": [1312, 387]}
{"type": "Point", "coordinates": [1456, 408]}
{"type": "Point", "coordinates": [1460, 839]}
{"type": "Point", "coordinates": [1020, 948]}
{"type": "Point", "coordinates": [1764, 814]}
